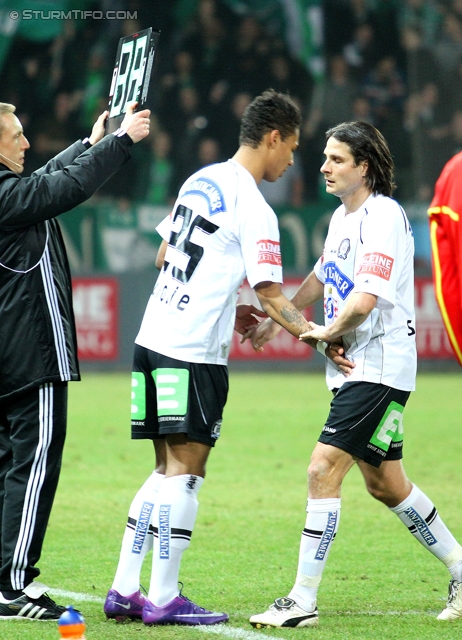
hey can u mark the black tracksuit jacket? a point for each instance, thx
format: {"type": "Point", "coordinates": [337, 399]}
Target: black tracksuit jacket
{"type": "Point", "coordinates": [37, 329]}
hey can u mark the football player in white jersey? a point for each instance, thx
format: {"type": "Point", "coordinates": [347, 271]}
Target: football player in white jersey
{"type": "Point", "coordinates": [366, 278]}
{"type": "Point", "coordinates": [221, 230]}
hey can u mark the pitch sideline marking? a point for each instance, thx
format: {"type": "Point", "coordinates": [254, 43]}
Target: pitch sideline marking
{"type": "Point", "coordinates": [79, 597]}
{"type": "Point", "coordinates": [86, 597]}
{"type": "Point", "coordinates": [232, 632]}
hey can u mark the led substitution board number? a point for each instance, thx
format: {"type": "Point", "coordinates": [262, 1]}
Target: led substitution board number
{"type": "Point", "coordinates": [132, 74]}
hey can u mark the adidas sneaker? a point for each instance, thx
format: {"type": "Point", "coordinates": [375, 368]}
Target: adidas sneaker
{"type": "Point", "coordinates": [33, 604]}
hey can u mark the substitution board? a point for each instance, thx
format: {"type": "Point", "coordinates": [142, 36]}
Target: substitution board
{"type": "Point", "coordinates": [132, 74]}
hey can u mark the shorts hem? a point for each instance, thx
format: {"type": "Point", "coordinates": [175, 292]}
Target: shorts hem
{"type": "Point", "coordinates": [161, 436]}
{"type": "Point", "coordinates": [372, 460]}
{"type": "Point", "coordinates": [190, 436]}
{"type": "Point", "coordinates": [146, 436]}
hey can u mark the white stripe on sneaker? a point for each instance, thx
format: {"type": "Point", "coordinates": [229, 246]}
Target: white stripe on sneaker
{"type": "Point", "coordinates": [31, 611]}
{"type": "Point", "coordinates": [196, 615]}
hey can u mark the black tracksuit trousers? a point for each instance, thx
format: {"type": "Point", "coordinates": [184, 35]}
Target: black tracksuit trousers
{"type": "Point", "coordinates": [32, 434]}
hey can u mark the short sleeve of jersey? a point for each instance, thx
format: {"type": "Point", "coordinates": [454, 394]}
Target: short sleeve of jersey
{"type": "Point", "coordinates": [163, 228]}
{"type": "Point", "coordinates": [258, 233]}
{"type": "Point", "coordinates": [319, 266]}
{"type": "Point", "coordinates": [383, 239]}
{"type": "Point", "coordinates": [319, 270]}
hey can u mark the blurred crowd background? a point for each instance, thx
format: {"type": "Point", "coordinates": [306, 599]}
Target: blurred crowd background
{"type": "Point", "coordinates": [394, 63]}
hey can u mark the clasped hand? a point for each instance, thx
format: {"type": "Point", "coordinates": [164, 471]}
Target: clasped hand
{"type": "Point", "coordinates": [335, 350]}
{"type": "Point", "coordinates": [261, 332]}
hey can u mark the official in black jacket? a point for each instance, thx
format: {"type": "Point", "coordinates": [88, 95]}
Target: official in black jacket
{"type": "Point", "coordinates": [38, 347]}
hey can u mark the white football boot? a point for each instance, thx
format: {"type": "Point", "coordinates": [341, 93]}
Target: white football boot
{"type": "Point", "coordinates": [285, 612]}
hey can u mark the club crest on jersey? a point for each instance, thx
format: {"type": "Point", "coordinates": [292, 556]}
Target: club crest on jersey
{"type": "Point", "coordinates": [330, 308]}
{"type": "Point", "coordinates": [210, 191]}
{"type": "Point", "coordinates": [341, 282]}
{"type": "Point", "coordinates": [344, 249]}
{"type": "Point", "coordinates": [269, 252]}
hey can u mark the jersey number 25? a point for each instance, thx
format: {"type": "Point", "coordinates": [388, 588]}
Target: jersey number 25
{"type": "Point", "coordinates": [187, 247]}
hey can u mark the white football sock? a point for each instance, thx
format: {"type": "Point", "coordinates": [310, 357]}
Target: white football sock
{"type": "Point", "coordinates": [174, 517]}
{"type": "Point", "coordinates": [420, 516]}
{"type": "Point", "coordinates": [138, 537]}
{"type": "Point", "coordinates": [319, 532]}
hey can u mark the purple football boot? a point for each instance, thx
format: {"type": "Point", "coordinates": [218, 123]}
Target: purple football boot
{"type": "Point", "coordinates": [123, 607]}
{"type": "Point", "coordinates": [180, 611]}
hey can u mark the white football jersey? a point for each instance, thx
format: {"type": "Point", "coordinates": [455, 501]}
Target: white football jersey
{"type": "Point", "coordinates": [220, 231]}
{"type": "Point", "coordinates": [372, 251]}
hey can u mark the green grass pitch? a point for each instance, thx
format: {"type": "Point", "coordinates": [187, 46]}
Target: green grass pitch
{"type": "Point", "coordinates": [379, 583]}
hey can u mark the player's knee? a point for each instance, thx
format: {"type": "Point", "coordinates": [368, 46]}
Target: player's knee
{"type": "Point", "coordinates": [318, 470]}
{"type": "Point", "coordinates": [378, 490]}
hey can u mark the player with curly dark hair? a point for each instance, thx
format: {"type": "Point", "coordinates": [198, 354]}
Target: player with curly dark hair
{"type": "Point", "coordinates": [221, 230]}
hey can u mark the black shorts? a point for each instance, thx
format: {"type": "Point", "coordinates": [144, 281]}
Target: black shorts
{"type": "Point", "coordinates": [366, 420]}
{"type": "Point", "coordinates": [171, 396]}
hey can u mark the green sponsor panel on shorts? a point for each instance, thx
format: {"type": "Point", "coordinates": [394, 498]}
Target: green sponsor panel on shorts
{"type": "Point", "coordinates": [138, 408]}
{"type": "Point", "coordinates": [390, 428]}
{"type": "Point", "coordinates": [172, 391]}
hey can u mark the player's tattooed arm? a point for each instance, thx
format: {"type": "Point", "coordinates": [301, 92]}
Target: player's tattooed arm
{"type": "Point", "coordinates": [280, 309]}
{"type": "Point", "coordinates": [307, 294]}
{"type": "Point", "coordinates": [283, 312]}
{"type": "Point", "coordinates": [292, 315]}
{"type": "Point", "coordinates": [296, 319]}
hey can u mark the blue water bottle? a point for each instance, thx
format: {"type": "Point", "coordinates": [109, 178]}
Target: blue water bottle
{"type": "Point", "coordinates": [71, 624]}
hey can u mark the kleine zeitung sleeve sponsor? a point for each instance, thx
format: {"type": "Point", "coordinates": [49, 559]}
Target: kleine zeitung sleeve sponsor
{"type": "Point", "coordinates": [269, 252]}
{"type": "Point", "coordinates": [378, 264]}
